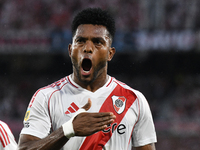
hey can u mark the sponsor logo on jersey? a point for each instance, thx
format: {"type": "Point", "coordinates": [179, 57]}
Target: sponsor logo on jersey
{"type": "Point", "coordinates": [72, 108]}
{"type": "Point", "coordinates": [27, 114]}
{"type": "Point", "coordinates": [119, 103]}
{"type": "Point", "coordinates": [121, 128]}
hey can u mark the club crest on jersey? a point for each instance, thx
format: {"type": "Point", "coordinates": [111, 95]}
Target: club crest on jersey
{"type": "Point", "coordinates": [119, 103]}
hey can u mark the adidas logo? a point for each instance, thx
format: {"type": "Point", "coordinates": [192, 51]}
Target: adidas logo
{"type": "Point", "coordinates": [73, 108]}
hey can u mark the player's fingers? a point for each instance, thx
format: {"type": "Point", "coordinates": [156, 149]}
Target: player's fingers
{"type": "Point", "coordinates": [103, 114]}
{"type": "Point", "coordinates": [103, 119]}
{"type": "Point", "coordinates": [87, 105]}
{"type": "Point", "coordinates": [98, 122]}
{"type": "Point", "coordinates": [107, 122]}
{"type": "Point", "coordinates": [101, 127]}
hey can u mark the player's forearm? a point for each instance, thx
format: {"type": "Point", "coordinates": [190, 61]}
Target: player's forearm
{"type": "Point", "coordinates": [56, 140]}
{"type": "Point", "coordinates": [146, 147]}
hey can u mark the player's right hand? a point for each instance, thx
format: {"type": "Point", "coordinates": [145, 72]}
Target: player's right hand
{"type": "Point", "coordinates": [86, 124]}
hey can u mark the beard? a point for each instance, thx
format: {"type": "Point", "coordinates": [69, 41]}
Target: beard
{"type": "Point", "coordinates": [98, 70]}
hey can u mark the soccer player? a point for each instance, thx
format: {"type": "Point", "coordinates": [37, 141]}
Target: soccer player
{"type": "Point", "coordinates": [7, 140]}
{"type": "Point", "coordinates": [88, 109]}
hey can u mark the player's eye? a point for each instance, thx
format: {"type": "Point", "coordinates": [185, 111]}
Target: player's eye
{"type": "Point", "coordinates": [80, 40]}
{"type": "Point", "coordinates": [97, 42]}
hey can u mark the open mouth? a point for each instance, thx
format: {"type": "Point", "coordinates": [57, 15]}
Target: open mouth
{"type": "Point", "coordinates": [86, 65]}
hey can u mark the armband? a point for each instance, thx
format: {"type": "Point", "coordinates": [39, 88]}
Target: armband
{"type": "Point", "coordinates": [68, 126]}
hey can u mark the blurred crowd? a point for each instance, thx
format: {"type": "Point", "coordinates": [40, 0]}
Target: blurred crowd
{"type": "Point", "coordinates": [129, 14]}
{"type": "Point", "coordinates": [44, 25]}
{"type": "Point", "coordinates": [47, 14]}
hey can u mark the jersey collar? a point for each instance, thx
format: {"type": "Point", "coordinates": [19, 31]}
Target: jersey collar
{"type": "Point", "coordinates": [71, 81]}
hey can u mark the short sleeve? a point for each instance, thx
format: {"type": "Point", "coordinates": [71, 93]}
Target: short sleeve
{"type": "Point", "coordinates": [144, 131]}
{"type": "Point", "coordinates": [37, 121]}
{"type": "Point", "coordinates": [7, 140]}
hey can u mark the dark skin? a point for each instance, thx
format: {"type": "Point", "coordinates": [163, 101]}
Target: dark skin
{"type": "Point", "coordinates": [91, 42]}
{"type": "Point", "coordinates": [146, 147]}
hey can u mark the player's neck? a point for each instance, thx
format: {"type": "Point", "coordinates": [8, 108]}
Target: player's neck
{"type": "Point", "coordinates": [98, 83]}
{"type": "Point", "coordinates": [93, 85]}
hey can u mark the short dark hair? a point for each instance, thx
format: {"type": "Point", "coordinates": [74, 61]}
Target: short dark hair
{"type": "Point", "coordinates": [95, 16]}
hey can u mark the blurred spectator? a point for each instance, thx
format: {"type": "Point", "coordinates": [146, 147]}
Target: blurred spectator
{"type": "Point", "coordinates": [48, 14]}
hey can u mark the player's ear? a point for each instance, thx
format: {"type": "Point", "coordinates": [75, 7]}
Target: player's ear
{"type": "Point", "coordinates": [111, 53]}
{"type": "Point", "coordinates": [70, 49]}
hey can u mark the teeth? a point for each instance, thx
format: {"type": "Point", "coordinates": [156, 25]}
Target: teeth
{"type": "Point", "coordinates": [85, 71]}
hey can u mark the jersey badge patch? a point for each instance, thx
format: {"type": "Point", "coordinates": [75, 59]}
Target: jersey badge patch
{"type": "Point", "coordinates": [27, 114]}
{"type": "Point", "coordinates": [119, 103]}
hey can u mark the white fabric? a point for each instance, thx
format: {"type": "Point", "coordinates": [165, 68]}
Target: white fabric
{"type": "Point", "coordinates": [7, 140]}
{"type": "Point", "coordinates": [53, 105]}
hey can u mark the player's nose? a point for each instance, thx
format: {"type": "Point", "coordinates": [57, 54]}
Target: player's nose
{"type": "Point", "coordinates": [88, 48]}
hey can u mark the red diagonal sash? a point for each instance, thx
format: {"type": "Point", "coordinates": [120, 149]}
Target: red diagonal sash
{"type": "Point", "coordinates": [99, 139]}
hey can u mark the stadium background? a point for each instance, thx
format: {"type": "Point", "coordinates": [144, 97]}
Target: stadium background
{"type": "Point", "coordinates": [158, 53]}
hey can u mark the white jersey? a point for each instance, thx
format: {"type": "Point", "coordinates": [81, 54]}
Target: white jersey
{"type": "Point", "coordinates": [7, 140]}
{"type": "Point", "coordinates": [55, 104]}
